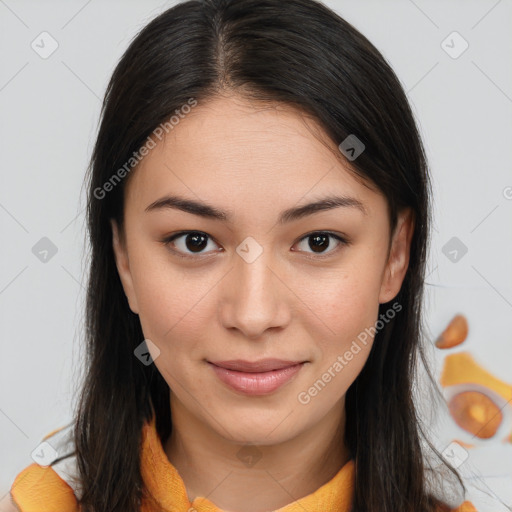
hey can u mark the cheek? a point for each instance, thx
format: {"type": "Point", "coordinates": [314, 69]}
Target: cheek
{"type": "Point", "coordinates": [170, 316]}
{"type": "Point", "coordinates": [342, 309]}
{"type": "Point", "coordinates": [345, 349]}
{"type": "Point", "coordinates": [171, 311]}
{"type": "Point", "coordinates": [345, 300]}
{"type": "Point", "coordinates": [342, 350]}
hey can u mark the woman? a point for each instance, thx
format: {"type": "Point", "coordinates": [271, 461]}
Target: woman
{"type": "Point", "coordinates": [259, 211]}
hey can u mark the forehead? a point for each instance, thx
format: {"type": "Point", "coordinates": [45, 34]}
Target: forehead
{"type": "Point", "coordinates": [260, 153]}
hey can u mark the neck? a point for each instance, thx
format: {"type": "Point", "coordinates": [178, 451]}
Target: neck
{"type": "Point", "coordinates": [222, 470]}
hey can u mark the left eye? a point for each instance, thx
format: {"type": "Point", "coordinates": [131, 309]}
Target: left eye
{"type": "Point", "coordinates": [320, 240]}
{"type": "Point", "coordinates": [197, 241]}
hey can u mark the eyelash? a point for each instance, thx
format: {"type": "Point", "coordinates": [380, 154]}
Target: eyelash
{"type": "Point", "coordinates": [343, 242]}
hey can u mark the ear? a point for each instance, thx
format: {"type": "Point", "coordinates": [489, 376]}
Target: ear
{"type": "Point", "coordinates": [398, 259]}
{"type": "Point", "coordinates": [123, 265]}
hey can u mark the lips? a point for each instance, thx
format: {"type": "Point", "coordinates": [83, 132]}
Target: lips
{"type": "Point", "coordinates": [264, 365]}
{"type": "Point", "coordinates": [256, 377]}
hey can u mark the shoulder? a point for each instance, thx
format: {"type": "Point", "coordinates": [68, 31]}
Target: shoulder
{"type": "Point", "coordinates": [50, 483]}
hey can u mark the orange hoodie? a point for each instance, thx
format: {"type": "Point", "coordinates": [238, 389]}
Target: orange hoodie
{"type": "Point", "coordinates": [55, 489]}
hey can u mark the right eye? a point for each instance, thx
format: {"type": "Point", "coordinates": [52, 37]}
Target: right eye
{"type": "Point", "coordinates": [194, 241]}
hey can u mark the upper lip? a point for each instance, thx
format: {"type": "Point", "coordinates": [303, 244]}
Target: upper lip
{"type": "Point", "coordinates": [264, 365]}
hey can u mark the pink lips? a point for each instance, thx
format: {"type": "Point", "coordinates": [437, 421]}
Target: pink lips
{"type": "Point", "coordinates": [258, 377]}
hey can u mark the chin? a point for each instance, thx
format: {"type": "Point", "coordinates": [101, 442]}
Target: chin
{"type": "Point", "coordinates": [261, 433]}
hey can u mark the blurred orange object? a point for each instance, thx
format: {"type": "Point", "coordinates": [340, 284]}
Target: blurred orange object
{"type": "Point", "coordinates": [454, 334]}
{"type": "Point", "coordinates": [461, 368]}
{"type": "Point", "coordinates": [476, 413]}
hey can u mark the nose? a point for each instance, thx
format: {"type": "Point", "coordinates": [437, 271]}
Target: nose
{"type": "Point", "coordinates": [255, 298]}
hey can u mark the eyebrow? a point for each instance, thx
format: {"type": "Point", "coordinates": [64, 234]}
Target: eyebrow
{"type": "Point", "coordinates": [211, 212]}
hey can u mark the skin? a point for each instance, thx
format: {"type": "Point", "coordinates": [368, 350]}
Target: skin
{"type": "Point", "coordinates": [255, 162]}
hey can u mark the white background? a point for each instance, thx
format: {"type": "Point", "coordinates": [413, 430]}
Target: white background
{"type": "Point", "coordinates": [49, 114]}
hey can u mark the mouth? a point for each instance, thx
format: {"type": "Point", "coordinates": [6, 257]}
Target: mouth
{"type": "Point", "coordinates": [256, 377]}
{"type": "Point", "coordinates": [264, 365]}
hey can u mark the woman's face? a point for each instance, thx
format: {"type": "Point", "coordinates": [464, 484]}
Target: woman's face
{"type": "Point", "coordinates": [256, 284]}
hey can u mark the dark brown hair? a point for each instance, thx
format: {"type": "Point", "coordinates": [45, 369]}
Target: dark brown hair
{"type": "Point", "coordinates": [298, 53]}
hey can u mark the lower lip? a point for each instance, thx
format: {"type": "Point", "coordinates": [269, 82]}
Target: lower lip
{"type": "Point", "coordinates": [256, 383]}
